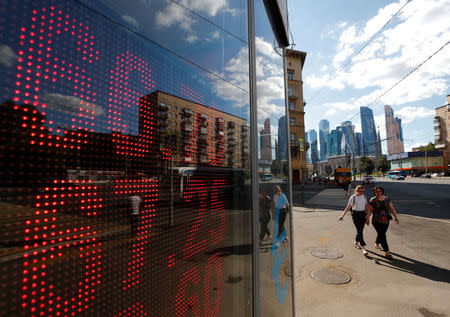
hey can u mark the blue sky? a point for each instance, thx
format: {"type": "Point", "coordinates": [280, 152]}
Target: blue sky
{"type": "Point", "coordinates": [331, 32]}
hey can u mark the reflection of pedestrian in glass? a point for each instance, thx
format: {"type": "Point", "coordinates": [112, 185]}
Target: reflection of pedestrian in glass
{"type": "Point", "coordinates": [358, 205]}
{"type": "Point", "coordinates": [280, 201]}
{"type": "Point", "coordinates": [264, 214]}
{"type": "Point", "coordinates": [380, 207]}
{"type": "Point", "coordinates": [135, 202]}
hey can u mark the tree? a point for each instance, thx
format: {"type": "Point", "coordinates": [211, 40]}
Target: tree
{"type": "Point", "coordinates": [328, 170]}
{"type": "Point", "coordinates": [366, 165]}
{"type": "Point", "coordinates": [429, 147]}
{"type": "Point", "coordinates": [383, 164]}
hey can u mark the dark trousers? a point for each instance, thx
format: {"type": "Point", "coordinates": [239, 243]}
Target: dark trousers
{"type": "Point", "coordinates": [281, 219]}
{"type": "Point", "coordinates": [134, 224]}
{"type": "Point", "coordinates": [381, 229]}
{"type": "Point", "coordinates": [264, 229]}
{"type": "Point", "coordinates": [359, 219]}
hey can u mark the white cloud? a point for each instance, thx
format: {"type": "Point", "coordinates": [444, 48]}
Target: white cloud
{"type": "Point", "coordinates": [175, 14]}
{"type": "Point", "coordinates": [131, 21]}
{"type": "Point", "coordinates": [420, 29]}
{"type": "Point", "coordinates": [409, 114]}
{"type": "Point", "coordinates": [215, 35]}
{"type": "Point", "coordinates": [71, 105]}
{"type": "Point", "coordinates": [7, 56]}
{"type": "Point", "coordinates": [330, 112]}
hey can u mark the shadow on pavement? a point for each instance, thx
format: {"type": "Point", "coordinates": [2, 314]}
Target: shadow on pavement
{"type": "Point", "coordinates": [412, 266]}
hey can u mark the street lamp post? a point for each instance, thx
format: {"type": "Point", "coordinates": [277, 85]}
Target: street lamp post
{"type": "Point", "coordinates": [300, 170]}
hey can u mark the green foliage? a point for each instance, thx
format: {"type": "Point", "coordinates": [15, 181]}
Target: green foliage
{"type": "Point", "coordinates": [429, 147]}
{"type": "Point", "coordinates": [366, 165]}
{"type": "Point", "coordinates": [328, 170]}
{"type": "Point", "coordinates": [383, 164]}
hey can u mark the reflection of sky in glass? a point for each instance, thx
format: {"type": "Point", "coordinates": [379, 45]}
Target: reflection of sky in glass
{"type": "Point", "coordinates": [114, 46]}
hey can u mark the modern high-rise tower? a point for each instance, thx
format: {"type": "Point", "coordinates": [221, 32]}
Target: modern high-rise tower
{"type": "Point", "coordinates": [369, 133]}
{"type": "Point", "coordinates": [324, 130]}
{"type": "Point", "coordinates": [266, 142]}
{"type": "Point", "coordinates": [348, 144]}
{"type": "Point", "coordinates": [313, 151]}
{"type": "Point", "coordinates": [394, 132]}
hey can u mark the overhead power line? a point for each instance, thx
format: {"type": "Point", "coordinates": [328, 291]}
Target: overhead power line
{"type": "Point", "coordinates": [403, 78]}
{"type": "Point", "coordinates": [350, 60]}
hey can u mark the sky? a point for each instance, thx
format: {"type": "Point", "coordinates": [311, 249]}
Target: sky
{"type": "Point", "coordinates": [337, 80]}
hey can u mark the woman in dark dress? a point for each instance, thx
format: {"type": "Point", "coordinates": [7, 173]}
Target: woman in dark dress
{"type": "Point", "coordinates": [380, 207]}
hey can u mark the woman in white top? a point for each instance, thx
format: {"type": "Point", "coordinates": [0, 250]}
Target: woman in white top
{"type": "Point", "coordinates": [358, 205]}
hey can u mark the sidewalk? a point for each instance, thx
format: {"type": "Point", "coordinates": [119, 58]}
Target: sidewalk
{"type": "Point", "coordinates": [331, 198]}
{"type": "Point", "coordinates": [415, 283]}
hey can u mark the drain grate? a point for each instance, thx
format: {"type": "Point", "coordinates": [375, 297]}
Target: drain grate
{"type": "Point", "coordinates": [331, 276]}
{"type": "Point", "coordinates": [327, 254]}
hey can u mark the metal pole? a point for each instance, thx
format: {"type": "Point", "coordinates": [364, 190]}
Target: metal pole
{"type": "Point", "coordinates": [300, 152]}
{"type": "Point", "coordinates": [426, 163]}
{"type": "Point", "coordinates": [171, 191]}
{"type": "Point", "coordinates": [254, 154]}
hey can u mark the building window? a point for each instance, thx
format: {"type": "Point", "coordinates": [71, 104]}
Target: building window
{"type": "Point", "coordinates": [291, 91]}
{"type": "Point", "coordinates": [292, 121]}
{"type": "Point", "coordinates": [293, 137]}
{"type": "Point", "coordinates": [290, 75]}
{"type": "Point", "coordinates": [291, 105]}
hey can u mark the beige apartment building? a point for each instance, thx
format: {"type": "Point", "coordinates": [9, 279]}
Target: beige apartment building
{"type": "Point", "coordinates": [294, 64]}
{"type": "Point", "coordinates": [442, 131]}
{"type": "Point", "coordinates": [193, 134]}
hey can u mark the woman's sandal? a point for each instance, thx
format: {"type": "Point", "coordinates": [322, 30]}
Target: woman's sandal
{"type": "Point", "coordinates": [378, 247]}
{"type": "Point", "coordinates": [357, 245]}
{"type": "Point", "coordinates": [388, 255]}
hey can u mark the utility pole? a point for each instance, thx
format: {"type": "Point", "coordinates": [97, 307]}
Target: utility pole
{"type": "Point", "coordinates": [426, 163]}
{"type": "Point", "coordinates": [300, 152]}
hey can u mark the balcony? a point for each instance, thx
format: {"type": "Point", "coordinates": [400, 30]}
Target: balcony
{"type": "Point", "coordinates": [187, 112]}
{"type": "Point", "coordinates": [187, 127]}
{"type": "Point", "coordinates": [244, 129]}
{"type": "Point", "coordinates": [163, 106]}
{"type": "Point", "coordinates": [231, 125]}
{"type": "Point", "coordinates": [203, 116]}
{"type": "Point", "coordinates": [203, 130]}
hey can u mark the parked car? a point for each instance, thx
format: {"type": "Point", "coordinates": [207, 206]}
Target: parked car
{"type": "Point", "coordinates": [425, 176]}
{"type": "Point", "coordinates": [398, 177]}
{"type": "Point", "coordinates": [369, 180]}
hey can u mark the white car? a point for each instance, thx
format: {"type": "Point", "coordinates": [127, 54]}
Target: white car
{"type": "Point", "coordinates": [369, 180]}
{"type": "Point", "coordinates": [398, 177]}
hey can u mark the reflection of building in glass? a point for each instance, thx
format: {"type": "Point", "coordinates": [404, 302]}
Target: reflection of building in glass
{"type": "Point", "coordinates": [334, 142]}
{"type": "Point", "coordinates": [394, 133]}
{"type": "Point", "coordinates": [348, 144]}
{"type": "Point", "coordinates": [295, 61]}
{"type": "Point", "coordinates": [369, 134]}
{"type": "Point", "coordinates": [266, 142]}
{"type": "Point", "coordinates": [441, 131]}
{"type": "Point", "coordinates": [282, 143]}
{"type": "Point", "coordinates": [324, 130]}
{"type": "Point", "coordinates": [194, 134]}
{"type": "Point", "coordinates": [313, 150]}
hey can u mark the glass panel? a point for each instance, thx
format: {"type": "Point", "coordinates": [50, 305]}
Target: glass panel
{"type": "Point", "coordinates": [275, 202]}
{"type": "Point", "coordinates": [123, 162]}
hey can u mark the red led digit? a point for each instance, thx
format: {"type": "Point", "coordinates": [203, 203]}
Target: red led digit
{"type": "Point", "coordinates": [122, 97]}
{"type": "Point", "coordinates": [136, 310]}
{"type": "Point", "coordinates": [187, 303]}
{"type": "Point", "coordinates": [197, 192]}
{"type": "Point", "coordinates": [38, 63]}
{"type": "Point", "coordinates": [147, 190]}
{"type": "Point", "coordinates": [217, 232]}
{"type": "Point", "coordinates": [52, 239]}
{"type": "Point", "coordinates": [214, 269]}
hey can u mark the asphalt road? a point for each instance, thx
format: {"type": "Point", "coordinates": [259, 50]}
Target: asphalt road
{"type": "Point", "coordinates": [418, 197]}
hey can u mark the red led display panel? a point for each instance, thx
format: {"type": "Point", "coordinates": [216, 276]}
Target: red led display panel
{"type": "Point", "coordinates": [120, 188]}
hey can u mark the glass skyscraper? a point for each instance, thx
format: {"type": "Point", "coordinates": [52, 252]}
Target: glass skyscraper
{"type": "Point", "coordinates": [334, 142]}
{"type": "Point", "coordinates": [369, 134]}
{"type": "Point", "coordinates": [348, 144]}
{"type": "Point", "coordinates": [313, 151]}
{"type": "Point", "coordinates": [324, 130]}
{"type": "Point", "coordinates": [394, 132]}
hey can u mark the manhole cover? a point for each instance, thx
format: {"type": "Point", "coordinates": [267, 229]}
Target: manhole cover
{"type": "Point", "coordinates": [331, 276]}
{"type": "Point", "coordinates": [326, 254]}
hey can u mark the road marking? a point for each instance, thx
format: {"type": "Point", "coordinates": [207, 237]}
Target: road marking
{"type": "Point", "coordinates": [440, 220]}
